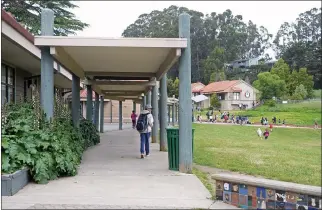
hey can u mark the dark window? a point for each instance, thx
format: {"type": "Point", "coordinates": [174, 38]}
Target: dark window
{"type": "Point", "coordinates": [7, 84]}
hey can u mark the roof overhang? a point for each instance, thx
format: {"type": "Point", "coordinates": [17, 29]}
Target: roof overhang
{"type": "Point", "coordinates": [20, 52]}
{"type": "Point", "coordinates": [115, 58]}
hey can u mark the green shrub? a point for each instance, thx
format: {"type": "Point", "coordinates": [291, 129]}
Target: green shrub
{"type": "Point", "coordinates": [89, 133]}
{"type": "Point", "coordinates": [49, 150]}
{"type": "Point", "coordinates": [270, 103]}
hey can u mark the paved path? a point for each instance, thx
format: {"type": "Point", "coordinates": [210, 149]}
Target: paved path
{"type": "Point", "coordinates": [115, 126]}
{"type": "Point", "coordinates": [112, 176]}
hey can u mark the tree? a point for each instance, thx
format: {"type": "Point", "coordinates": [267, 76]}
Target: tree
{"type": "Point", "coordinates": [270, 85]}
{"type": "Point", "coordinates": [173, 87]}
{"type": "Point", "coordinates": [301, 77]}
{"type": "Point", "coordinates": [281, 69]}
{"type": "Point", "coordinates": [214, 101]}
{"type": "Point", "coordinates": [176, 87]}
{"type": "Point", "coordinates": [217, 76]}
{"type": "Point", "coordinates": [299, 43]}
{"type": "Point", "coordinates": [300, 93]}
{"type": "Point", "coordinates": [209, 33]}
{"type": "Point", "coordinates": [28, 13]}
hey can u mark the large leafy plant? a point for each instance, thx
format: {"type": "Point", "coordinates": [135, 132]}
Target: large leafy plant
{"type": "Point", "coordinates": [49, 149]}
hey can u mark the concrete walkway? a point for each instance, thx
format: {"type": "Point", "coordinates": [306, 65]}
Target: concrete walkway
{"type": "Point", "coordinates": [112, 176]}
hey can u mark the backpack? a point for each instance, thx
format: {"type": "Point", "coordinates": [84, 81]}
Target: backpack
{"type": "Point", "coordinates": [142, 123]}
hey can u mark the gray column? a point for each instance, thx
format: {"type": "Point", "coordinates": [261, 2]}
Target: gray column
{"type": "Point", "coordinates": [96, 114]}
{"type": "Point", "coordinates": [155, 112]}
{"type": "Point", "coordinates": [185, 111]}
{"type": "Point", "coordinates": [134, 106]}
{"type": "Point", "coordinates": [102, 114]}
{"type": "Point", "coordinates": [120, 116]}
{"type": "Point", "coordinates": [144, 102]}
{"type": "Point", "coordinates": [47, 65]}
{"type": "Point", "coordinates": [111, 110]}
{"type": "Point", "coordinates": [75, 100]}
{"type": "Point", "coordinates": [148, 98]}
{"type": "Point", "coordinates": [89, 103]}
{"type": "Point", "coordinates": [163, 113]}
{"type": "Point", "coordinates": [173, 115]}
{"type": "Point", "coordinates": [169, 114]}
{"type": "Point", "coordinates": [177, 112]}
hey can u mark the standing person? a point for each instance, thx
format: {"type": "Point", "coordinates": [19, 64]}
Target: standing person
{"type": "Point", "coordinates": [271, 127]}
{"type": "Point", "coordinates": [266, 134]}
{"type": "Point", "coordinates": [315, 124]}
{"type": "Point", "coordinates": [133, 118]}
{"type": "Point", "coordinates": [144, 126]}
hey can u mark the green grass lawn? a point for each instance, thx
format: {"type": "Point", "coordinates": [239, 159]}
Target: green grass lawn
{"type": "Point", "coordinates": [289, 154]}
{"type": "Point", "coordinates": [300, 114]}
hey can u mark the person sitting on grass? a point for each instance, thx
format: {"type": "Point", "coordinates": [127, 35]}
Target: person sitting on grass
{"type": "Point", "coordinates": [266, 134]}
{"type": "Point", "coordinates": [198, 118]}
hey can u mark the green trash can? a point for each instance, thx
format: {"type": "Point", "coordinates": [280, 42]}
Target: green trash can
{"type": "Point", "coordinates": [173, 147]}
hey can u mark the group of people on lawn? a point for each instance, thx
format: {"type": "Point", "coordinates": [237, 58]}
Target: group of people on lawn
{"type": "Point", "coordinates": [225, 117]}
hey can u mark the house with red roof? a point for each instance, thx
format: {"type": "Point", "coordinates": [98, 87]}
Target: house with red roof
{"type": "Point", "coordinates": [233, 95]}
{"type": "Point", "coordinates": [196, 88]}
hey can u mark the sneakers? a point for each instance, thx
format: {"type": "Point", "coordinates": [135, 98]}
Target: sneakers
{"type": "Point", "coordinates": [142, 156]}
{"type": "Point", "coordinates": [147, 155]}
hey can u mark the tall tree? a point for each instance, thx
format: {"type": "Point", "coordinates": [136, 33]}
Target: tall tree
{"type": "Point", "coordinates": [281, 69]}
{"type": "Point", "coordinates": [299, 43]}
{"type": "Point", "coordinates": [208, 32]}
{"type": "Point", "coordinates": [28, 13]}
{"type": "Point", "coordinates": [299, 77]}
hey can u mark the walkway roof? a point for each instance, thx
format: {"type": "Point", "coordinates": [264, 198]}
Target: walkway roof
{"type": "Point", "coordinates": [18, 50]}
{"type": "Point", "coordinates": [116, 67]}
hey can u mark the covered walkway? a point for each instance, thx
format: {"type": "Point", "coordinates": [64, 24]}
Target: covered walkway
{"type": "Point", "coordinates": [107, 181]}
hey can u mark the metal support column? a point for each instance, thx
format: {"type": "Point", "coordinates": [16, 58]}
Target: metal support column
{"type": "Point", "coordinates": [89, 103]}
{"type": "Point", "coordinates": [173, 115]}
{"type": "Point", "coordinates": [96, 113]}
{"type": "Point", "coordinates": [148, 98]}
{"type": "Point", "coordinates": [134, 106]}
{"type": "Point", "coordinates": [120, 116]}
{"type": "Point", "coordinates": [169, 114]}
{"type": "Point", "coordinates": [155, 113]}
{"type": "Point", "coordinates": [75, 100]}
{"type": "Point", "coordinates": [102, 114]}
{"type": "Point", "coordinates": [163, 113]}
{"type": "Point", "coordinates": [144, 102]}
{"type": "Point", "coordinates": [47, 65]}
{"type": "Point", "coordinates": [111, 111]}
{"type": "Point", "coordinates": [185, 123]}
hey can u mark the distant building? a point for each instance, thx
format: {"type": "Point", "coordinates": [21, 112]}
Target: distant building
{"type": "Point", "coordinates": [196, 88]}
{"type": "Point", "coordinates": [231, 94]}
{"type": "Point", "coordinates": [243, 63]}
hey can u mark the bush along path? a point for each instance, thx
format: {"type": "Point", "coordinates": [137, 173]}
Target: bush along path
{"type": "Point", "coordinates": [49, 149]}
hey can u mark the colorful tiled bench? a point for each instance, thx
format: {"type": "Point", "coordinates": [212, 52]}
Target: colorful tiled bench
{"type": "Point", "coordinates": [250, 192]}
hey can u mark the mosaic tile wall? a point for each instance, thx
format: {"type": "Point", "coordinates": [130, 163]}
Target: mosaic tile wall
{"type": "Point", "coordinates": [255, 197]}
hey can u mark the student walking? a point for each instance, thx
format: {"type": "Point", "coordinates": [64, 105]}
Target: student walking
{"type": "Point", "coordinates": [144, 127]}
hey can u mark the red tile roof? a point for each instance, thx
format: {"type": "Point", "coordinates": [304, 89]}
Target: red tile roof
{"type": "Point", "coordinates": [222, 86]}
{"type": "Point", "coordinates": [83, 93]}
{"type": "Point", "coordinates": [197, 87]}
{"type": "Point", "coordinates": [10, 20]}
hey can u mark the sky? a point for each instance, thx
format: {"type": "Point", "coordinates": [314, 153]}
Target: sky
{"type": "Point", "coordinates": [110, 18]}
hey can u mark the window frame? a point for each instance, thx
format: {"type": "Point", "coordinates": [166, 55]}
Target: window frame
{"type": "Point", "coordinates": [236, 96]}
{"type": "Point", "coordinates": [5, 83]}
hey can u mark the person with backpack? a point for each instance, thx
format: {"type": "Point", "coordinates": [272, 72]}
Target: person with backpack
{"type": "Point", "coordinates": [144, 127]}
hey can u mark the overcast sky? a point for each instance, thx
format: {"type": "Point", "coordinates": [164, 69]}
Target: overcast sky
{"type": "Point", "coordinates": [110, 18]}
